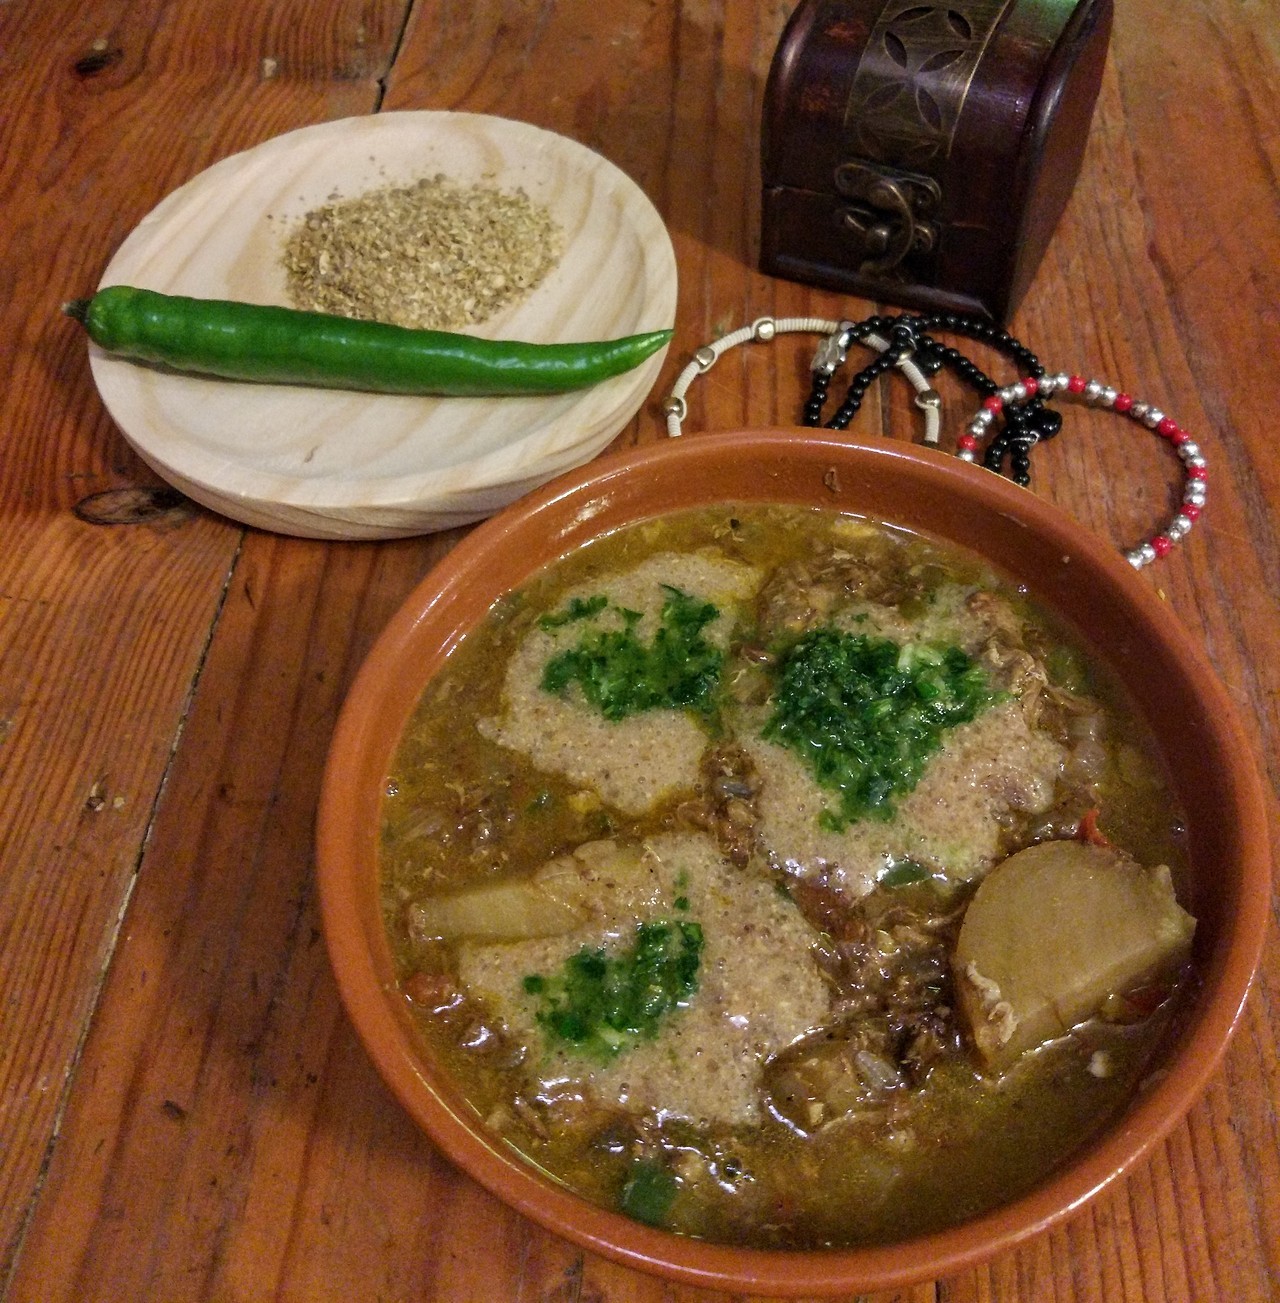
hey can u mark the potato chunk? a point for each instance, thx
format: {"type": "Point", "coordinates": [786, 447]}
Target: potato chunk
{"type": "Point", "coordinates": [1052, 932]}
{"type": "Point", "coordinates": [554, 900]}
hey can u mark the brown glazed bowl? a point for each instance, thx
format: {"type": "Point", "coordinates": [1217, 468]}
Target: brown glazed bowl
{"type": "Point", "coordinates": [1083, 578]}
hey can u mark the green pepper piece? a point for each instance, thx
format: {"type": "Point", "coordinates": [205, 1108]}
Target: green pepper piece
{"type": "Point", "coordinates": [649, 1192]}
{"type": "Point", "coordinates": [274, 345]}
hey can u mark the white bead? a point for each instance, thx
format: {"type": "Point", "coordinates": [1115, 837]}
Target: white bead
{"type": "Point", "coordinates": [1107, 397]}
{"type": "Point", "coordinates": [1153, 418]}
{"type": "Point", "coordinates": [1188, 450]}
{"type": "Point", "coordinates": [1092, 391]}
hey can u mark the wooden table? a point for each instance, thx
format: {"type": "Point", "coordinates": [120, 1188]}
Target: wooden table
{"type": "Point", "coordinates": [185, 1112]}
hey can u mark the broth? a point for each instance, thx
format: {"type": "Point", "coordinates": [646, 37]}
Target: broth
{"type": "Point", "coordinates": [624, 792]}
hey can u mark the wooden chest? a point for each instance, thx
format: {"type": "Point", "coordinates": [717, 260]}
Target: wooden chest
{"type": "Point", "coordinates": [922, 154]}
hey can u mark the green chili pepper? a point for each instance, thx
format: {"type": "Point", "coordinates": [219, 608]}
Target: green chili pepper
{"type": "Point", "coordinates": [243, 341]}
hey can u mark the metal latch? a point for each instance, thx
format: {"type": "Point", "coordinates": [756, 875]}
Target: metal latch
{"type": "Point", "coordinates": [889, 213]}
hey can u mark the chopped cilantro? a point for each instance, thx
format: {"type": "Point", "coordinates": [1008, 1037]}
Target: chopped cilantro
{"type": "Point", "coordinates": [579, 608]}
{"type": "Point", "coordinates": [681, 903]}
{"type": "Point", "coordinates": [600, 1003]}
{"type": "Point", "coordinates": [620, 676]}
{"type": "Point", "coordinates": [866, 713]}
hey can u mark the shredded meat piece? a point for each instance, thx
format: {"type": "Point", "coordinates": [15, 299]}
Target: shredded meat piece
{"type": "Point", "coordinates": [887, 961]}
{"type": "Point", "coordinates": [726, 808]}
{"type": "Point", "coordinates": [802, 594]}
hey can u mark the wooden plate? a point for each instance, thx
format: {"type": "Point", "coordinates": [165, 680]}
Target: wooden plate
{"type": "Point", "coordinates": [331, 464]}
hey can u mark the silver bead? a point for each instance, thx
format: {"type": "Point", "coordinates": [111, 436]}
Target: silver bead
{"type": "Point", "coordinates": [705, 357]}
{"type": "Point", "coordinates": [1139, 411]}
{"type": "Point", "coordinates": [1061, 380]}
{"type": "Point", "coordinates": [1152, 418]}
{"type": "Point", "coordinates": [1178, 527]}
{"type": "Point", "coordinates": [1148, 554]}
{"type": "Point", "coordinates": [976, 430]}
{"type": "Point", "coordinates": [981, 419]}
{"type": "Point", "coordinates": [1188, 450]}
{"type": "Point", "coordinates": [1107, 397]}
{"type": "Point", "coordinates": [1092, 391]}
{"type": "Point", "coordinates": [1018, 392]}
{"type": "Point", "coordinates": [675, 407]}
{"type": "Point", "coordinates": [1196, 461]}
{"type": "Point", "coordinates": [965, 455]}
{"type": "Point", "coordinates": [1048, 386]}
{"type": "Point", "coordinates": [764, 328]}
{"type": "Point", "coordinates": [1135, 558]}
{"type": "Point", "coordinates": [1195, 493]}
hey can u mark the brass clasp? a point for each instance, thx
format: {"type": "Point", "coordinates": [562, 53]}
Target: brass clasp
{"type": "Point", "coordinates": [889, 213]}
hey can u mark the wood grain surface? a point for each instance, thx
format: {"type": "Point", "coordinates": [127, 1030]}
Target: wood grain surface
{"type": "Point", "coordinates": [184, 1110]}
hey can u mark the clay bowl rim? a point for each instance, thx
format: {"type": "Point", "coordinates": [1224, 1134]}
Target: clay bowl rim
{"type": "Point", "coordinates": [1052, 554]}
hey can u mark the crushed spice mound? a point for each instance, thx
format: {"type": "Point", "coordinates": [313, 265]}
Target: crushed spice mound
{"type": "Point", "coordinates": [433, 255]}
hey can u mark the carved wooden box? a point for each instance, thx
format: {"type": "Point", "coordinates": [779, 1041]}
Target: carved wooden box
{"type": "Point", "coordinates": [922, 154]}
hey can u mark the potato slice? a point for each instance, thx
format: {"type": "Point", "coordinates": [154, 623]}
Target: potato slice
{"type": "Point", "coordinates": [1052, 932]}
{"type": "Point", "coordinates": [552, 901]}
{"type": "Point", "coordinates": [516, 909]}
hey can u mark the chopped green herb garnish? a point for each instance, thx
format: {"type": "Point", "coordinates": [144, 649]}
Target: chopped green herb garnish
{"type": "Point", "coordinates": [620, 676]}
{"type": "Point", "coordinates": [866, 713]}
{"type": "Point", "coordinates": [903, 874]}
{"type": "Point", "coordinates": [681, 902]}
{"type": "Point", "coordinates": [600, 1003]}
{"type": "Point", "coordinates": [579, 608]}
{"type": "Point", "coordinates": [649, 1192]}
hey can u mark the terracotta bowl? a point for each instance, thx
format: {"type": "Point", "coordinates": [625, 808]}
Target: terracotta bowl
{"type": "Point", "coordinates": [1085, 579]}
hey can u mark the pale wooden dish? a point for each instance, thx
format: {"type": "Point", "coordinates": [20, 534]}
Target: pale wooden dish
{"type": "Point", "coordinates": [330, 464]}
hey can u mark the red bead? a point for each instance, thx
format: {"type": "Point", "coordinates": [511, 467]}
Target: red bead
{"type": "Point", "coordinates": [1167, 428]}
{"type": "Point", "coordinates": [1180, 436]}
{"type": "Point", "coordinates": [967, 442]}
{"type": "Point", "coordinates": [994, 404]}
{"type": "Point", "coordinates": [1032, 386]}
{"type": "Point", "coordinates": [1076, 384]}
{"type": "Point", "coordinates": [1162, 545]}
{"type": "Point", "coordinates": [1191, 511]}
{"type": "Point", "coordinates": [1197, 473]}
{"type": "Point", "coordinates": [1123, 402]}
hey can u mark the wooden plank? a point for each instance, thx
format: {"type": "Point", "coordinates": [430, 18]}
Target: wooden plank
{"type": "Point", "coordinates": [103, 629]}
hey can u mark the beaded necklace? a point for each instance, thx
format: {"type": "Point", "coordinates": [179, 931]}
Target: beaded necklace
{"type": "Point", "coordinates": [907, 343]}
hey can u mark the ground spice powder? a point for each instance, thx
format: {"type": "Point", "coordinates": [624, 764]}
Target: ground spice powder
{"type": "Point", "coordinates": [432, 255]}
